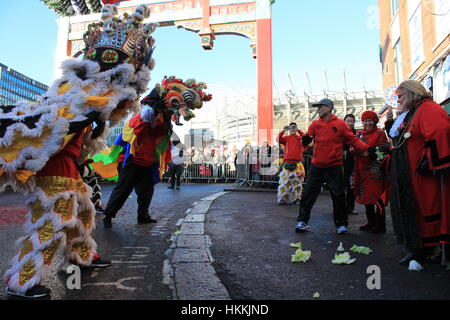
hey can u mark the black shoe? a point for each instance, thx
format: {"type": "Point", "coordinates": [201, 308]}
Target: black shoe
{"type": "Point", "coordinates": [177, 187]}
{"type": "Point", "coordinates": [97, 263]}
{"type": "Point", "coordinates": [100, 263]}
{"type": "Point", "coordinates": [35, 292]}
{"type": "Point", "coordinates": [378, 229]}
{"type": "Point", "coordinates": [170, 187]}
{"type": "Point", "coordinates": [380, 222]}
{"type": "Point", "coordinates": [366, 227]}
{"type": "Point", "coordinates": [411, 256]}
{"type": "Point", "coordinates": [107, 223]}
{"type": "Point", "coordinates": [145, 219]}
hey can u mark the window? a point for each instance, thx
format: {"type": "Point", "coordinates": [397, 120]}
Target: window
{"type": "Point", "coordinates": [394, 7]}
{"type": "Point", "coordinates": [398, 62]}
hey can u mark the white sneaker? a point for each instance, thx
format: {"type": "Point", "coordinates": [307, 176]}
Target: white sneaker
{"type": "Point", "coordinates": [301, 226]}
{"type": "Point", "coordinates": [342, 230]}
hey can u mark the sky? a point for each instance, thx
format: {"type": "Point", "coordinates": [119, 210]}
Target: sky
{"type": "Point", "coordinates": [308, 37]}
{"type": "Point", "coordinates": [321, 38]}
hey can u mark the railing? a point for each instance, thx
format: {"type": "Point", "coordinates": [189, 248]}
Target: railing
{"type": "Point", "coordinates": [207, 172]}
{"type": "Point", "coordinates": [246, 173]}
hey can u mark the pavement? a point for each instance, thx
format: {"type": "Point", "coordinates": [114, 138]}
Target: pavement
{"type": "Point", "coordinates": [140, 254]}
{"type": "Point", "coordinates": [211, 244]}
{"type": "Point", "coordinates": [251, 236]}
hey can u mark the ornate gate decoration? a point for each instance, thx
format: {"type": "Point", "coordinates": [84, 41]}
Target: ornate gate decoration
{"type": "Point", "coordinates": [251, 19]}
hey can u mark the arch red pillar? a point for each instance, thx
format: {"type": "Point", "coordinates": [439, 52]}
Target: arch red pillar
{"type": "Point", "coordinates": [264, 65]}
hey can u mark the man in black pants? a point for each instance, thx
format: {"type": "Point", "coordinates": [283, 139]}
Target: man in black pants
{"type": "Point", "coordinates": [139, 171]}
{"type": "Point", "coordinates": [329, 134]}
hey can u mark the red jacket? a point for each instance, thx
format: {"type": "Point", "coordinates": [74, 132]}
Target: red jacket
{"type": "Point", "coordinates": [370, 182]}
{"type": "Point", "coordinates": [329, 137]}
{"type": "Point", "coordinates": [293, 149]}
{"type": "Point", "coordinates": [146, 140]}
{"type": "Point", "coordinates": [63, 164]}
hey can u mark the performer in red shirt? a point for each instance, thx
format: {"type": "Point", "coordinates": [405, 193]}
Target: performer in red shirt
{"type": "Point", "coordinates": [420, 172]}
{"type": "Point", "coordinates": [329, 134]}
{"type": "Point", "coordinates": [148, 135]}
{"type": "Point", "coordinates": [139, 171]}
{"type": "Point", "coordinates": [370, 180]}
{"type": "Point", "coordinates": [293, 172]}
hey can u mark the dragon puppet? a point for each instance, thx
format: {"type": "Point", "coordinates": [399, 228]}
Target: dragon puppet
{"type": "Point", "coordinates": [171, 99]}
{"type": "Point", "coordinates": [40, 142]}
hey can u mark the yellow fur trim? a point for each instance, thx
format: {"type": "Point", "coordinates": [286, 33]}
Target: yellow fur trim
{"type": "Point", "coordinates": [11, 153]}
{"type": "Point", "coordinates": [97, 101]}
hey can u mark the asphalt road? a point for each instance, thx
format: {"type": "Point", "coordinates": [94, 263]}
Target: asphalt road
{"type": "Point", "coordinates": [137, 251]}
{"type": "Point", "coordinates": [251, 237]}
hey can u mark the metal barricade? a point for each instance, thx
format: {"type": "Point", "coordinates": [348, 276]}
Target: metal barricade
{"type": "Point", "coordinates": [269, 175]}
{"type": "Point", "coordinates": [229, 172]}
{"type": "Point", "coordinates": [240, 174]}
{"type": "Point", "coordinates": [201, 171]}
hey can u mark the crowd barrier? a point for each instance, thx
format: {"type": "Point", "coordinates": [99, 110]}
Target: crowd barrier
{"type": "Point", "coordinates": [207, 172]}
{"type": "Point", "coordinates": [244, 174]}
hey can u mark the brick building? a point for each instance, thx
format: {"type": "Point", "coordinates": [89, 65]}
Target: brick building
{"type": "Point", "coordinates": [415, 44]}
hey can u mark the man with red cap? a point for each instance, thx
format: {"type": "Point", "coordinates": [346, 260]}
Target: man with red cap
{"type": "Point", "coordinates": [370, 180]}
{"type": "Point", "coordinates": [329, 134]}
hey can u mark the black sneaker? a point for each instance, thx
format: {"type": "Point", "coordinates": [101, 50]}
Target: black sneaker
{"type": "Point", "coordinates": [177, 187]}
{"type": "Point", "coordinates": [100, 263]}
{"type": "Point", "coordinates": [107, 223]}
{"type": "Point", "coordinates": [35, 292]}
{"type": "Point", "coordinates": [301, 227]}
{"type": "Point", "coordinates": [146, 219]}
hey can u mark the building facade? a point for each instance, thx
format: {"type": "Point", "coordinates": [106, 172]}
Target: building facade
{"type": "Point", "coordinates": [415, 44]}
{"type": "Point", "coordinates": [114, 132]}
{"type": "Point", "coordinates": [199, 138]}
{"type": "Point", "coordinates": [297, 109]}
{"type": "Point", "coordinates": [15, 86]}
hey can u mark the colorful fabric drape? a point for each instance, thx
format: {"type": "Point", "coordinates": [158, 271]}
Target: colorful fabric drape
{"type": "Point", "coordinates": [123, 149]}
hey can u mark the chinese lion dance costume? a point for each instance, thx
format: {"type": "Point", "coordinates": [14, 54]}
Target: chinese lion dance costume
{"type": "Point", "coordinates": [172, 99]}
{"type": "Point", "coordinates": [39, 141]}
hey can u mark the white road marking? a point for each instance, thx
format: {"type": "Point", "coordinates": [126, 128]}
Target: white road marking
{"type": "Point", "coordinates": [118, 284]}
